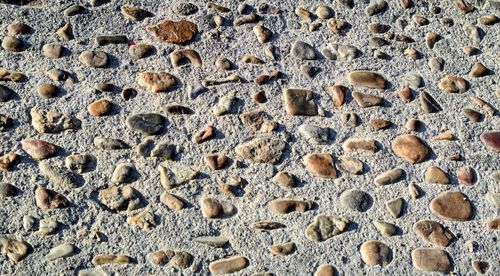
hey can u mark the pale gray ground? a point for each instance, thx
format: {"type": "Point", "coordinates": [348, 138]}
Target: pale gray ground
{"type": "Point", "coordinates": [176, 230]}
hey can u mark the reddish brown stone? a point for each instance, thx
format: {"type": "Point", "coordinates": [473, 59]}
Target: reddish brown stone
{"type": "Point", "coordinates": [452, 206]}
{"type": "Point", "coordinates": [38, 149]}
{"type": "Point", "coordinates": [177, 32]}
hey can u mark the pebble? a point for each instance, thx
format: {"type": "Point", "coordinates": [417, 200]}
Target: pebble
{"type": "Point", "coordinates": [172, 201]}
{"type": "Point", "coordinates": [145, 220]}
{"type": "Point", "coordinates": [320, 165]}
{"type": "Point", "coordinates": [472, 115]}
{"type": "Point", "coordinates": [13, 44]}
{"type": "Point", "coordinates": [299, 102]}
{"type": "Point", "coordinates": [97, 3]}
{"type": "Point", "coordinates": [184, 8]}
{"type": "Point", "coordinates": [263, 34]}
{"type": "Point", "coordinates": [451, 205]}
{"type": "Point", "coordinates": [156, 81]}
{"type": "Point", "coordinates": [181, 260]}
{"type": "Point", "coordinates": [338, 26]}
{"type": "Point", "coordinates": [47, 227]}
{"type": "Point", "coordinates": [453, 84]}
{"type": "Point", "coordinates": [428, 103]}
{"type": "Point", "coordinates": [262, 149]}
{"type": "Point", "coordinates": [91, 58]}
{"type": "Point", "coordinates": [228, 265]}
{"type": "Point", "coordinates": [103, 40]}
{"type": "Point", "coordinates": [58, 75]}
{"type": "Point", "coordinates": [58, 175]}
{"type": "Point", "coordinates": [377, 42]}
{"type": "Point", "coordinates": [61, 251]}
{"type": "Point", "coordinates": [395, 207]}
{"type": "Point", "coordinates": [5, 123]}
{"type": "Point", "coordinates": [111, 259]}
{"type": "Point", "coordinates": [356, 200]}
{"type": "Point", "coordinates": [412, 53]}
{"type": "Point", "coordinates": [213, 208]}
{"type": "Point", "coordinates": [491, 140]}
{"type": "Point", "coordinates": [375, 7]}
{"type": "Point", "coordinates": [128, 93]}
{"type": "Point", "coordinates": [141, 50]}
{"type": "Point", "coordinates": [175, 174]}
{"type": "Point", "coordinates": [135, 13]}
{"type": "Point", "coordinates": [52, 50]}
{"type": "Point", "coordinates": [206, 134]}
{"type": "Point", "coordinates": [375, 253]}
{"type": "Point", "coordinates": [338, 94]}
{"type": "Point", "coordinates": [410, 148]}
{"type": "Point", "coordinates": [7, 161]}
{"type": "Point", "coordinates": [48, 91]}
{"type": "Point", "coordinates": [216, 161]}
{"type": "Point", "coordinates": [265, 225]}
{"type": "Point", "coordinates": [385, 228]}
{"type": "Point", "coordinates": [478, 70]}
{"type": "Point", "coordinates": [431, 260]}
{"type": "Point", "coordinates": [124, 173]}
{"type": "Point", "coordinates": [488, 20]}
{"type": "Point", "coordinates": [324, 227]}
{"type": "Point", "coordinates": [146, 123]}
{"type": "Point", "coordinates": [378, 124]}
{"type": "Point", "coordinates": [324, 12]}
{"type": "Point", "coordinates": [105, 143]}
{"type": "Point", "coordinates": [283, 249]}
{"type": "Point", "coordinates": [413, 80]}
{"type": "Point", "coordinates": [29, 223]}
{"type": "Point", "coordinates": [360, 145]}
{"type": "Point", "coordinates": [433, 232]}
{"type": "Point", "coordinates": [176, 32]}
{"type": "Point", "coordinates": [120, 198]}
{"type": "Point", "coordinates": [74, 10]}
{"type": "Point", "coordinates": [466, 175]}
{"type": "Point", "coordinates": [434, 174]}
{"type": "Point", "coordinates": [367, 79]}
{"type": "Point", "coordinates": [164, 151]}
{"type": "Point", "coordinates": [15, 250]}
{"type": "Point", "coordinates": [8, 190]}
{"type": "Point", "coordinates": [325, 269]}
{"type": "Point", "coordinates": [314, 134]}
{"type": "Point", "coordinates": [431, 38]}
{"type": "Point", "coordinates": [285, 179]}
{"type": "Point", "coordinates": [493, 224]}
{"type": "Point", "coordinates": [413, 124]}
{"type": "Point", "coordinates": [49, 199]}
{"type": "Point", "coordinates": [223, 64]}
{"type": "Point", "coordinates": [6, 94]}
{"type": "Point", "coordinates": [350, 165]}
{"type": "Point", "coordinates": [303, 51]}
{"type": "Point", "coordinates": [18, 28]}
{"type": "Point", "coordinates": [285, 206]}
{"type": "Point", "coordinates": [11, 76]}
{"type": "Point", "coordinates": [225, 105]}
{"type": "Point", "coordinates": [378, 28]}
{"type": "Point", "coordinates": [65, 32]}
{"type": "Point", "coordinates": [367, 100]}
{"type": "Point", "coordinates": [390, 177]}
{"type": "Point", "coordinates": [38, 149]}
{"type": "Point", "coordinates": [436, 64]}
{"type": "Point", "coordinates": [350, 118]}
{"type": "Point", "coordinates": [101, 107]}
{"type": "Point", "coordinates": [480, 267]}
{"type": "Point", "coordinates": [216, 241]}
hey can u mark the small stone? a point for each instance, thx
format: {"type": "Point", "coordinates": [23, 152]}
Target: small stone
{"type": "Point", "coordinates": [109, 143]}
{"type": "Point", "coordinates": [61, 251]}
{"type": "Point", "coordinates": [299, 102]}
{"type": "Point", "coordinates": [413, 80]}
{"type": "Point", "coordinates": [8, 190]}
{"type": "Point", "coordinates": [285, 179]}
{"type": "Point", "coordinates": [12, 44]}
{"type": "Point", "coordinates": [181, 260]}
{"type": "Point", "coordinates": [452, 205]}
{"type": "Point", "coordinates": [223, 64]}
{"type": "Point", "coordinates": [378, 124]}
{"type": "Point", "coordinates": [466, 176]}
{"type": "Point", "coordinates": [338, 94]}
{"type": "Point", "coordinates": [265, 225]}
{"type": "Point", "coordinates": [428, 104]}
{"type": "Point", "coordinates": [395, 207]}
{"type": "Point", "coordinates": [478, 70]}
{"type": "Point", "coordinates": [49, 199]}
{"type": "Point", "coordinates": [216, 241]}
{"type": "Point", "coordinates": [100, 108]}
{"type": "Point", "coordinates": [434, 174]}
{"type": "Point", "coordinates": [263, 149]}
{"type": "Point", "coordinates": [385, 228]}
{"type": "Point", "coordinates": [314, 134]}
{"type": "Point", "coordinates": [480, 267]}
{"type": "Point", "coordinates": [97, 3]}
{"type": "Point", "coordinates": [472, 32]}
{"type": "Point", "coordinates": [38, 149]}
{"type": "Point", "coordinates": [324, 12]}
{"type": "Point", "coordinates": [376, 7]}
{"type": "Point", "coordinates": [410, 148]}
{"type": "Point", "coordinates": [367, 100]}
{"type": "Point", "coordinates": [103, 40]}
{"type": "Point", "coordinates": [470, 51]}
{"type": "Point", "coordinates": [360, 145]}
{"type": "Point", "coordinates": [414, 191]}
{"type": "Point", "coordinates": [493, 224]}
{"type": "Point", "coordinates": [491, 139]}
{"type": "Point", "coordinates": [350, 118]}
{"type": "Point", "coordinates": [74, 10]}
{"type": "Point", "coordinates": [145, 220]}
{"type": "Point", "coordinates": [184, 8]}
{"type": "Point", "coordinates": [228, 265]}
{"type": "Point", "coordinates": [174, 174]}
{"type": "Point", "coordinates": [260, 97]}
{"type": "Point", "coordinates": [326, 269]}
{"type": "Point", "coordinates": [413, 124]}
{"type": "Point", "coordinates": [173, 202]}
{"type": "Point", "coordinates": [204, 135]}
{"type": "Point", "coordinates": [367, 79]}
{"type": "Point", "coordinates": [15, 250]}
{"type": "Point", "coordinates": [472, 115]}
{"type": "Point", "coordinates": [18, 28]}
{"type": "Point", "coordinates": [436, 64]}
{"type": "Point", "coordinates": [52, 50]}
{"type": "Point", "coordinates": [431, 38]}
{"type": "Point", "coordinates": [283, 249]}
{"type": "Point", "coordinates": [7, 161]}
{"type": "Point", "coordinates": [324, 227]}
{"type": "Point", "coordinates": [453, 84]}
{"type": "Point", "coordinates": [375, 253]}
{"type": "Point", "coordinates": [350, 164]}
{"type": "Point", "coordinates": [216, 161]}
{"type": "Point", "coordinates": [110, 259]}
{"type": "Point", "coordinates": [303, 51]}
{"type": "Point", "coordinates": [390, 177]}
{"type": "Point", "coordinates": [58, 75]}
{"type": "Point", "coordinates": [488, 20]}
{"type": "Point", "coordinates": [431, 260]}
{"type": "Point", "coordinates": [164, 151]}
{"type": "Point", "coordinates": [320, 165]}
{"type": "Point", "coordinates": [120, 198]}
{"type": "Point", "coordinates": [124, 173]}
{"type": "Point", "coordinates": [5, 123]}
{"type": "Point", "coordinates": [29, 222]}
{"type": "Point", "coordinates": [146, 123]}
{"type": "Point", "coordinates": [58, 175]}
{"type": "Point", "coordinates": [97, 59]}
{"type": "Point", "coordinates": [433, 232]}
{"type": "Point", "coordinates": [356, 200]}
{"type": "Point", "coordinates": [65, 32]}
{"type": "Point", "coordinates": [47, 227]}
{"type": "Point", "coordinates": [48, 91]}
{"type": "Point", "coordinates": [141, 50]}
{"type": "Point", "coordinates": [156, 81]}
{"type": "Point", "coordinates": [177, 32]}
{"type": "Point", "coordinates": [177, 109]}
{"type": "Point", "coordinates": [377, 42]}
{"type": "Point", "coordinates": [412, 53]}
{"type": "Point", "coordinates": [263, 34]}
{"type": "Point", "coordinates": [213, 208]}
{"type": "Point", "coordinates": [493, 198]}
{"type": "Point", "coordinates": [135, 13]}
{"type": "Point", "coordinates": [225, 105]}
{"type": "Point", "coordinates": [6, 94]}
{"type": "Point", "coordinates": [285, 206]}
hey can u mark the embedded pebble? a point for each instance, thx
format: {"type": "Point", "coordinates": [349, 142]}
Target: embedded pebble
{"type": "Point", "coordinates": [466, 175]}
{"type": "Point", "coordinates": [177, 32]}
{"type": "Point", "coordinates": [283, 249]}
{"type": "Point", "coordinates": [100, 108]}
{"type": "Point", "coordinates": [350, 164]}
{"type": "Point", "coordinates": [320, 165]}
{"type": "Point", "coordinates": [7, 190]}
{"type": "Point", "coordinates": [52, 50]}
{"type": "Point", "coordinates": [376, 253]}
{"type": "Point", "coordinates": [48, 91]}
{"type": "Point", "coordinates": [285, 206]}
{"type": "Point", "coordinates": [184, 8]}
{"type": "Point", "coordinates": [13, 44]}
{"type": "Point", "coordinates": [58, 175]}
{"type": "Point", "coordinates": [120, 198]}
{"type": "Point", "coordinates": [360, 145]}
{"type": "Point", "coordinates": [410, 148]}
{"type": "Point", "coordinates": [15, 250]}
{"type": "Point", "coordinates": [367, 79]}
{"type": "Point", "coordinates": [213, 208]}
{"type": "Point", "coordinates": [61, 251]}
{"type": "Point", "coordinates": [284, 179]}
{"type": "Point", "coordinates": [141, 50]}
{"type": "Point", "coordinates": [325, 269]}
{"type": "Point", "coordinates": [175, 174]}
{"type": "Point", "coordinates": [303, 51]}
{"type": "Point", "coordinates": [263, 149]}
{"type": "Point", "coordinates": [314, 134]}
{"type": "Point", "coordinates": [135, 13]}
{"type": "Point", "coordinates": [228, 265]}
{"type": "Point", "coordinates": [390, 177]}
{"type": "Point", "coordinates": [491, 140]}
{"type": "Point", "coordinates": [96, 59]}
{"type": "Point", "coordinates": [324, 227]}
{"type": "Point", "coordinates": [395, 207]}
{"type": "Point", "coordinates": [145, 220]}
{"type": "Point", "coordinates": [431, 260]}
{"type": "Point", "coordinates": [38, 149]}
{"type": "Point", "coordinates": [434, 174]}
{"type": "Point", "coordinates": [385, 228]}
{"type": "Point", "coordinates": [173, 202]}
{"type": "Point", "coordinates": [146, 123]}
{"type": "Point", "coordinates": [123, 173]}
{"type": "Point", "coordinates": [356, 200]}
{"type": "Point", "coordinates": [451, 205]}
{"type": "Point", "coordinates": [433, 232]}
{"type": "Point", "coordinates": [367, 100]}
{"type": "Point", "coordinates": [6, 94]}
{"type": "Point", "coordinates": [156, 81]}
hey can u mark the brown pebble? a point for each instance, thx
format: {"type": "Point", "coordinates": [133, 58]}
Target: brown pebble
{"type": "Point", "coordinates": [405, 94]}
{"type": "Point", "coordinates": [320, 165]}
{"type": "Point", "coordinates": [488, 20]}
{"type": "Point", "coordinates": [466, 176]}
{"type": "Point", "coordinates": [216, 161]}
{"type": "Point", "coordinates": [285, 206]}
{"type": "Point", "coordinates": [413, 124]}
{"type": "Point", "coordinates": [478, 70]}
{"type": "Point", "coordinates": [325, 270]}
{"type": "Point", "coordinates": [431, 260]}
{"type": "Point", "coordinates": [173, 202]}
{"type": "Point", "coordinates": [472, 115]}
{"type": "Point", "coordinates": [38, 149]}
{"type": "Point", "coordinates": [18, 28]}
{"type": "Point", "coordinates": [228, 265]}
{"type": "Point", "coordinates": [338, 94]}
{"type": "Point", "coordinates": [480, 267]}
{"type": "Point", "coordinates": [410, 148]}
{"type": "Point", "coordinates": [451, 205]}
{"type": "Point", "coordinates": [48, 91]}
{"type": "Point", "coordinates": [284, 179]}
{"type": "Point", "coordinates": [434, 174]}
{"type": "Point", "coordinates": [49, 199]}
{"type": "Point", "coordinates": [65, 32]}
{"type": "Point", "coordinates": [12, 44]}
{"type": "Point", "coordinates": [493, 224]}
{"type": "Point", "coordinates": [375, 253]}
{"type": "Point", "coordinates": [433, 232]}
{"type": "Point", "coordinates": [100, 107]}
{"type": "Point", "coordinates": [378, 124]}
{"type": "Point", "coordinates": [260, 97]}
{"type": "Point", "coordinates": [283, 249]}
{"type": "Point", "coordinates": [206, 134]}
{"type": "Point", "coordinates": [453, 84]}
{"type": "Point", "coordinates": [7, 161]}
{"type": "Point", "coordinates": [162, 257]}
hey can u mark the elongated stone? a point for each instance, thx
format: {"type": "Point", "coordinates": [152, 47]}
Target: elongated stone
{"type": "Point", "coordinates": [61, 251]}
{"type": "Point", "coordinates": [58, 175]}
{"type": "Point", "coordinates": [390, 177]}
{"type": "Point", "coordinates": [283, 249]}
{"type": "Point", "coordinates": [367, 79]}
{"type": "Point", "coordinates": [49, 199]}
{"type": "Point", "coordinates": [431, 260]}
{"type": "Point", "coordinates": [491, 139]}
{"type": "Point", "coordinates": [177, 32]}
{"type": "Point", "coordinates": [285, 206]}
{"type": "Point", "coordinates": [52, 122]}
{"type": "Point", "coordinates": [320, 165]}
{"type": "Point", "coordinates": [265, 225]}
{"type": "Point", "coordinates": [428, 103]}
{"type": "Point", "coordinates": [215, 241]}
{"type": "Point", "coordinates": [228, 265]}
{"type": "Point", "coordinates": [367, 100]}
{"type": "Point", "coordinates": [361, 145]}
{"type": "Point", "coordinates": [38, 149]}
{"type": "Point", "coordinates": [385, 228]}
{"type": "Point", "coordinates": [146, 123]}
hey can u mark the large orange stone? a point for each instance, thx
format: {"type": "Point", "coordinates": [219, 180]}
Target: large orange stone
{"type": "Point", "coordinates": [177, 32]}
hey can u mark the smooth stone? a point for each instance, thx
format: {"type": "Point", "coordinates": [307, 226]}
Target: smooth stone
{"type": "Point", "coordinates": [265, 225]}
{"type": "Point", "coordinates": [52, 50]}
{"type": "Point", "coordinates": [395, 207]}
{"type": "Point", "coordinates": [207, 133]}
{"type": "Point", "coordinates": [124, 173]}
{"type": "Point", "coordinates": [58, 75]}
{"type": "Point", "coordinates": [356, 200]}
{"type": "Point", "coordinates": [283, 249]}
{"type": "Point", "coordinates": [8, 190]}
{"type": "Point", "coordinates": [325, 269]}
{"type": "Point", "coordinates": [213, 208]}
{"type": "Point", "coordinates": [375, 7]}
{"type": "Point", "coordinates": [156, 81]}
{"type": "Point", "coordinates": [105, 143]}
{"type": "Point", "coordinates": [228, 265]}
{"type": "Point", "coordinates": [18, 28]}
{"type": "Point", "coordinates": [472, 115]}
{"type": "Point", "coordinates": [16, 250]}
{"type": "Point", "coordinates": [61, 251]}
{"type": "Point", "coordinates": [100, 108]}
{"type": "Point", "coordinates": [48, 91]}
{"type": "Point", "coordinates": [47, 227]}
{"type": "Point", "coordinates": [480, 267]}
{"type": "Point", "coordinates": [216, 241]}
{"type": "Point", "coordinates": [314, 134]}
{"type": "Point", "coordinates": [428, 103]}
{"type": "Point", "coordinates": [431, 260]}
{"type": "Point", "coordinates": [434, 174]}
{"type": "Point", "coordinates": [478, 70]}
{"type": "Point", "coordinates": [225, 105]}
{"type": "Point", "coordinates": [493, 224]}
{"type": "Point", "coordinates": [162, 257]}
{"type": "Point", "coordinates": [144, 220]}
{"type": "Point", "coordinates": [91, 58]}
{"type": "Point", "coordinates": [141, 50]}
{"type": "Point", "coordinates": [135, 13]}
{"type": "Point", "coordinates": [12, 44]}
{"type": "Point", "coordinates": [181, 260]}
{"type": "Point", "coordinates": [433, 232]}
{"type": "Point", "coordinates": [466, 175]}
{"type": "Point", "coordinates": [350, 164]}
{"type": "Point", "coordinates": [285, 206]}
{"type": "Point", "coordinates": [262, 149]}
{"type": "Point", "coordinates": [413, 80]}
{"type": "Point", "coordinates": [491, 139]}
{"type": "Point", "coordinates": [360, 145]}
{"type": "Point", "coordinates": [177, 32]}
{"type": "Point", "coordinates": [111, 259]}
{"type": "Point", "coordinates": [38, 149]}
{"type": "Point", "coordinates": [120, 198]}
{"type": "Point", "coordinates": [375, 253]}
{"type": "Point", "coordinates": [184, 8]}
{"type": "Point", "coordinates": [453, 84]}
{"type": "Point", "coordinates": [436, 64]}
{"type": "Point", "coordinates": [146, 123]}
{"type": "Point", "coordinates": [97, 3]}
{"type": "Point", "coordinates": [173, 174]}
{"type": "Point", "coordinates": [410, 148]}
{"type": "Point", "coordinates": [285, 179]}
{"type": "Point", "coordinates": [389, 177]}
{"type": "Point", "coordinates": [6, 94]}
{"type": "Point", "coordinates": [385, 228]}
{"type": "Point", "coordinates": [173, 202]}
{"type": "Point", "coordinates": [216, 161]}
{"type": "Point", "coordinates": [66, 32]}
{"type": "Point", "coordinates": [350, 118]}
{"type": "Point", "coordinates": [324, 12]}
{"type": "Point", "coordinates": [49, 199]}
{"type": "Point", "coordinates": [324, 227]}
{"type": "Point", "coordinates": [367, 79]}
{"type": "Point", "coordinates": [29, 222]}
{"type": "Point", "coordinates": [320, 165]}
{"type": "Point", "coordinates": [451, 205]}
{"type": "Point", "coordinates": [303, 51]}
{"type": "Point", "coordinates": [58, 175]}
{"type": "Point", "coordinates": [163, 151]}
{"type": "Point", "coordinates": [223, 63]}
{"type": "Point", "coordinates": [367, 100]}
{"type": "Point", "coordinates": [103, 40]}
{"type": "Point", "coordinates": [74, 10]}
{"type": "Point", "coordinates": [299, 102]}
{"type": "Point", "coordinates": [378, 124]}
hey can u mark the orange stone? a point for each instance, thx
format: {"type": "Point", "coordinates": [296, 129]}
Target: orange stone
{"type": "Point", "coordinates": [177, 32]}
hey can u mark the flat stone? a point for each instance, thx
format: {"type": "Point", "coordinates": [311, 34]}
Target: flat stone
{"type": "Point", "coordinates": [120, 198]}
{"type": "Point", "coordinates": [135, 13]}
{"type": "Point", "coordinates": [215, 241]}
{"type": "Point", "coordinates": [6, 94]}
{"type": "Point", "coordinates": [48, 91]}
{"type": "Point", "coordinates": [451, 205]}
{"type": "Point", "coordinates": [360, 145]}
{"type": "Point", "coordinates": [285, 206]}
{"type": "Point", "coordinates": [480, 267]}
{"type": "Point", "coordinates": [367, 100]}
{"type": "Point", "coordinates": [385, 228]}
{"type": "Point", "coordinates": [433, 232]}
{"type": "Point", "coordinates": [225, 105]}
{"type": "Point", "coordinates": [61, 251]}
{"type": "Point", "coordinates": [103, 40]}
{"type": "Point", "coordinates": [367, 79]}
{"type": "Point", "coordinates": [491, 139]}
{"type": "Point", "coordinates": [184, 8]}
{"type": "Point", "coordinates": [324, 227]}
{"type": "Point", "coordinates": [303, 51]}
{"type": "Point", "coordinates": [145, 220]}
{"type": "Point", "coordinates": [389, 177]}
{"type": "Point", "coordinates": [18, 28]}
{"type": "Point", "coordinates": [110, 259]}
{"type": "Point", "coordinates": [173, 202]}
{"type": "Point", "coordinates": [79, 162]}
{"type": "Point", "coordinates": [177, 109]}
{"type": "Point", "coordinates": [13, 44]}
{"type": "Point", "coordinates": [299, 102]}
{"type": "Point", "coordinates": [325, 269]}
{"type": "Point", "coordinates": [124, 173]}
{"type": "Point", "coordinates": [320, 165]}
{"type": "Point", "coordinates": [177, 32]}
{"type": "Point", "coordinates": [58, 175]}
{"type": "Point", "coordinates": [207, 133]}
{"type": "Point", "coordinates": [478, 70]}
{"type": "Point", "coordinates": [375, 253]}
{"type": "Point", "coordinates": [434, 174]}
{"type": "Point", "coordinates": [216, 161]}
{"type": "Point", "coordinates": [265, 225]}
{"type": "Point", "coordinates": [181, 260]}
{"type": "Point", "coordinates": [395, 206]}
{"type": "Point", "coordinates": [97, 59]}
{"type": "Point", "coordinates": [52, 50]}
{"type": "Point", "coordinates": [428, 103]}
{"type": "Point", "coordinates": [38, 149]}
{"type": "Point", "coordinates": [101, 107]}
{"type": "Point", "coordinates": [472, 115]}
{"type": "Point", "coordinates": [15, 250]}
{"type": "Point", "coordinates": [49, 199]}
{"type": "Point", "coordinates": [7, 161]}
{"type": "Point", "coordinates": [163, 151]}
{"type": "Point", "coordinates": [453, 84]}
{"type": "Point", "coordinates": [141, 50]}
{"type": "Point", "coordinates": [228, 265]}
{"type": "Point", "coordinates": [466, 175]}
{"type": "Point", "coordinates": [146, 123]}
{"type": "Point", "coordinates": [349, 164]}
{"type": "Point", "coordinates": [314, 134]}
{"type": "Point", "coordinates": [156, 81]}
{"type": "Point", "coordinates": [5, 123]}
{"type": "Point", "coordinates": [262, 149]}
{"type": "Point", "coordinates": [493, 224]}
{"type": "Point", "coordinates": [431, 260]}
{"type": "Point", "coordinates": [376, 7]}
{"type": "Point", "coordinates": [47, 227]}
{"type": "Point", "coordinates": [356, 200]}
{"type": "Point", "coordinates": [173, 174]}
{"type": "Point", "coordinates": [285, 179]}
{"type": "Point", "coordinates": [8, 190]}
{"type": "Point", "coordinates": [283, 249]}
{"type": "Point", "coordinates": [410, 148]}
{"type": "Point", "coordinates": [105, 143]}
{"type": "Point", "coordinates": [52, 122]}
{"type": "Point", "coordinates": [213, 208]}
{"type": "Point", "coordinates": [378, 124]}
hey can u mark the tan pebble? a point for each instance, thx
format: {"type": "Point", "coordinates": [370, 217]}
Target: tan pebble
{"type": "Point", "coordinates": [410, 148]}
{"type": "Point", "coordinates": [488, 20]}
{"type": "Point", "coordinates": [49, 199]}
{"type": "Point", "coordinates": [395, 207]}
{"type": "Point", "coordinates": [7, 161]}
{"type": "Point", "coordinates": [361, 145]}
{"type": "Point", "coordinates": [212, 208]}
{"type": "Point", "coordinates": [228, 265]}
{"type": "Point", "coordinates": [472, 115]}
{"type": "Point", "coordinates": [325, 270]}
{"type": "Point", "coordinates": [173, 202]}
{"type": "Point", "coordinates": [478, 70]}
{"type": "Point", "coordinates": [433, 232]}
{"type": "Point", "coordinates": [324, 12]}
{"type": "Point", "coordinates": [52, 50]}
{"type": "Point", "coordinates": [385, 228]}
{"type": "Point", "coordinates": [431, 260]}
{"type": "Point", "coordinates": [216, 161]}
{"type": "Point", "coordinates": [405, 94]}
{"type": "Point", "coordinates": [445, 135]}
{"type": "Point", "coordinates": [111, 259]}
{"type": "Point", "coordinates": [413, 124]}
{"type": "Point", "coordinates": [141, 50]}
{"type": "Point", "coordinates": [267, 225]}
{"type": "Point", "coordinates": [484, 105]}
{"type": "Point", "coordinates": [470, 50]}
{"type": "Point", "coordinates": [453, 84]}
{"type": "Point", "coordinates": [466, 175]}
{"type": "Point", "coordinates": [367, 100]}
{"type": "Point", "coordinates": [100, 107]}
{"type": "Point", "coordinates": [378, 124]}
{"type": "Point", "coordinates": [283, 249]}
{"type": "Point", "coordinates": [471, 245]}
{"type": "Point", "coordinates": [12, 44]}
{"type": "Point", "coordinates": [38, 149]}
{"type": "Point", "coordinates": [162, 257]}
{"type": "Point", "coordinates": [338, 26]}
{"type": "Point", "coordinates": [144, 220]}
{"type": "Point", "coordinates": [376, 253]}
{"type": "Point", "coordinates": [262, 149]}
{"type": "Point", "coordinates": [14, 249]}
{"type": "Point", "coordinates": [338, 94]}
{"type": "Point", "coordinates": [431, 38]}
{"type": "Point", "coordinates": [451, 205]}
{"type": "Point", "coordinates": [177, 32]}
{"type": "Point", "coordinates": [65, 32]}
{"type": "Point", "coordinates": [414, 191]}
{"type": "Point", "coordinates": [156, 81]}
{"type": "Point", "coordinates": [389, 177]}
{"type": "Point", "coordinates": [324, 227]}
{"type": "Point", "coordinates": [260, 97]}
{"type": "Point", "coordinates": [285, 206]}
{"type": "Point", "coordinates": [48, 91]}
{"type": "Point", "coordinates": [480, 267]}
{"type": "Point", "coordinates": [18, 28]}
{"type": "Point", "coordinates": [493, 224]}
{"type": "Point", "coordinates": [178, 57]}
{"type": "Point", "coordinates": [251, 59]}
{"type": "Point", "coordinates": [367, 79]}
{"type": "Point", "coordinates": [304, 14]}
{"type": "Point", "coordinates": [350, 164]}
{"type": "Point", "coordinates": [434, 174]}
{"type": "Point", "coordinates": [263, 34]}
{"type": "Point", "coordinates": [284, 179]}
{"type": "Point", "coordinates": [320, 165]}
{"type": "Point", "coordinates": [412, 53]}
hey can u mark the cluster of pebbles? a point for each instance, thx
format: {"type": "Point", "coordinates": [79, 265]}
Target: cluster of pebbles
{"type": "Point", "coordinates": [254, 138]}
